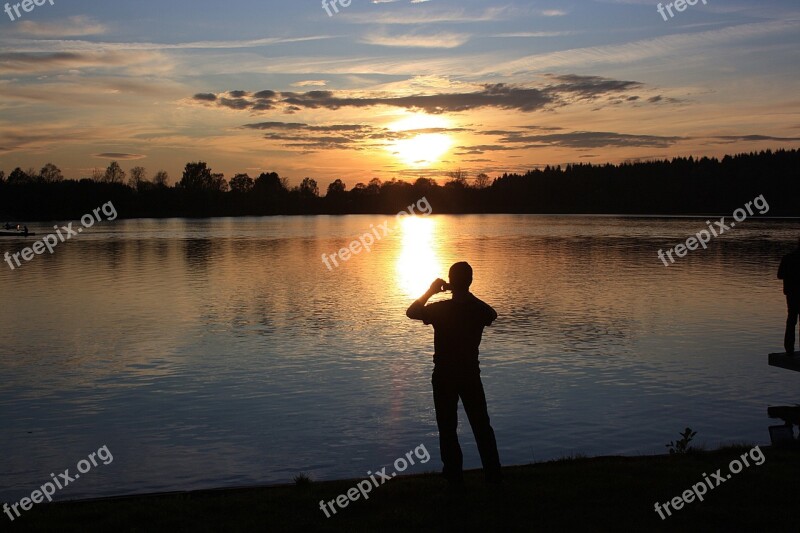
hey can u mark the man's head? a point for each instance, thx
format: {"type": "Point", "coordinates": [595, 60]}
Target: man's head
{"type": "Point", "coordinates": [460, 276]}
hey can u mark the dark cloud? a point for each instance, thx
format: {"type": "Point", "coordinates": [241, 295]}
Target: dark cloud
{"type": "Point", "coordinates": [562, 90]}
{"type": "Point", "coordinates": [499, 96]}
{"type": "Point", "coordinates": [483, 148]}
{"type": "Point", "coordinates": [737, 138]}
{"type": "Point", "coordinates": [276, 126]}
{"type": "Point", "coordinates": [205, 97]}
{"type": "Point", "coordinates": [541, 128]}
{"type": "Point", "coordinates": [119, 155]}
{"type": "Point", "coordinates": [31, 62]}
{"type": "Point", "coordinates": [590, 87]}
{"type": "Point", "coordinates": [592, 139]}
{"type": "Point", "coordinates": [662, 99]}
{"type": "Point", "coordinates": [234, 103]}
{"type": "Point", "coordinates": [351, 136]}
{"type": "Point", "coordinates": [306, 127]}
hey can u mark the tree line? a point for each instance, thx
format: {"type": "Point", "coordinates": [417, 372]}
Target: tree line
{"type": "Point", "coordinates": [680, 186]}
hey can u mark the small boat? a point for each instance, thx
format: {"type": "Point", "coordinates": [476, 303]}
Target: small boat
{"type": "Point", "coordinates": [18, 230]}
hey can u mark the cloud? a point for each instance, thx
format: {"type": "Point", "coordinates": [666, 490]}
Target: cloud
{"type": "Point", "coordinates": [591, 139]}
{"type": "Point", "coordinates": [70, 45]}
{"type": "Point", "coordinates": [28, 63]}
{"type": "Point", "coordinates": [526, 34]}
{"type": "Point", "coordinates": [553, 13]}
{"type": "Point", "coordinates": [310, 83]}
{"type": "Point", "coordinates": [670, 45]}
{"type": "Point", "coordinates": [78, 26]}
{"type": "Point", "coordinates": [590, 87]}
{"type": "Point", "coordinates": [340, 136]}
{"type": "Point", "coordinates": [483, 148]}
{"type": "Point", "coordinates": [433, 16]}
{"type": "Point", "coordinates": [499, 96]}
{"type": "Point", "coordinates": [417, 40]}
{"type": "Point", "coordinates": [740, 138]}
{"type": "Point", "coordinates": [119, 155]}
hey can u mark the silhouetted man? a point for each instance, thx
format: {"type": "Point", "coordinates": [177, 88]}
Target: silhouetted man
{"type": "Point", "coordinates": [457, 329]}
{"type": "Point", "coordinates": [789, 272]}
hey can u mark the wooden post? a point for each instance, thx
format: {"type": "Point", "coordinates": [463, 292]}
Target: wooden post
{"type": "Point", "coordinates": [783, 360]}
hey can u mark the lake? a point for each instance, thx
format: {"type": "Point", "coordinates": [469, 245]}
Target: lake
{"type": "Point", "coordinates": [223, 352]}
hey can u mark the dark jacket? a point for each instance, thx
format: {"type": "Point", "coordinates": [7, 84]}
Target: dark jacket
{"type": "Point", "coordinates": [457, 330]}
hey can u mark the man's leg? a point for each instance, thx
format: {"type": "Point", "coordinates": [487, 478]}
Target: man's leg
{"type": "Point", "coordinates": [445, 400]}
{"type": "Point", "coordinates": [793, 308]}
{"type": "Point", "coordinates": [474, 400]}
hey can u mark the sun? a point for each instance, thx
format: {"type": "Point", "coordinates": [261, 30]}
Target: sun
{"type": "Point", "coordinates": [425, 147]}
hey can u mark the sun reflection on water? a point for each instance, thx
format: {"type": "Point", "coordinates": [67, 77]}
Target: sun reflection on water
{"type": "Point", "coordinates": [418, 264]}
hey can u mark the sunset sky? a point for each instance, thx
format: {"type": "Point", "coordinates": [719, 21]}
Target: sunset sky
{"type": "Point", "coordinates": [392, 88]}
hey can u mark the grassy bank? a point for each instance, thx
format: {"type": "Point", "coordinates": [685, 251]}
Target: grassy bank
{"type": "Point", "coordinates": [596, 494]}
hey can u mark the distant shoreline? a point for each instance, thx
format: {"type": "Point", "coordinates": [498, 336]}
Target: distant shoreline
{"type": "Point", "coordinates": [683, 187]}
{"type": "Point", "coordinates": [543, 215]}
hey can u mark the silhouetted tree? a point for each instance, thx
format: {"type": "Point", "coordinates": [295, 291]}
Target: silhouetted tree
{"type": "Point", "coordinates": [458, 178]}
{"type": "Point", "coordinates": [197, 176]}
{"type": "Point", "coordinates": [114, 173]}
{"type": "Point", "coordinates": [374, 186]}
{"type": "Point", "coordinates": [218, 182]}
{"type": "Point", "coordinates": [50, 173]}
{"type": "Point", "coordinates": [336, 188]}
{"type": "Point", "coordinates": [138, 178]}
{"type": "Point", "coordinates": [309, 188]}
{"type": "Point", "coordinates": [270, 185]}
{"type": "Point", "coordinates": [19, 177]}
{"type": "Point", "coordinates": [424, 183]}
{"type": "Point", "coordinates": [242, 183]}
{"type": "Point", "coordinates": [161, 179]}
{"type": "Point", "coordinates": [482, 181]}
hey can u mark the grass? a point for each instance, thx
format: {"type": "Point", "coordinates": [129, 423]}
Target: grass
{"type": "Point", "coordinates": [586, 494]}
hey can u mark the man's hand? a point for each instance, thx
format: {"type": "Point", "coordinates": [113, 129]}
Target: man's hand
{"type": "Point", "coordinates": [417, 309]}
{"type": "Point", "coordinates": [437, 286]}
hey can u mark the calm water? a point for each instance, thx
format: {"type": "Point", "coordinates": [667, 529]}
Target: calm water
{"type": "Point", "coordinates": [223, 352]}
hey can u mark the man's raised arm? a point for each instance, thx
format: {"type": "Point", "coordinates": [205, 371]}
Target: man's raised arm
{"type": "Point", "coordinates": [416, 311]}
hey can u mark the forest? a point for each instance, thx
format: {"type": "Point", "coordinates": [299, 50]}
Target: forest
{"type": "Point", "coordinates": [680, 186]}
